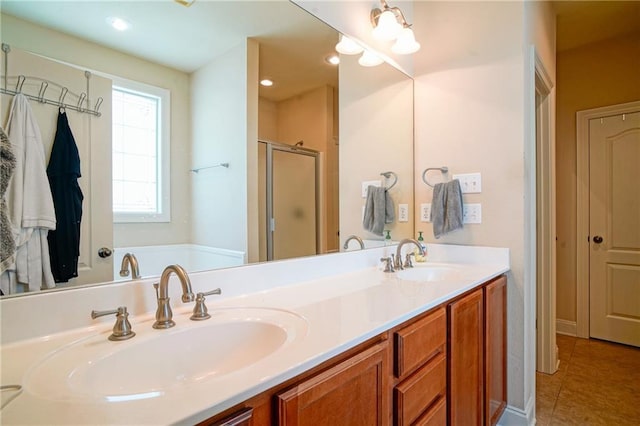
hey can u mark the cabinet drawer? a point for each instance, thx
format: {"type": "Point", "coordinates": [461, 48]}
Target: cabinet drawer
{"type": "Point", "coordinates": [420, 390]}
{"type": "Point", "coordinates": [436, 416]}
{"type": "Point", "coordinates": [420, 341]}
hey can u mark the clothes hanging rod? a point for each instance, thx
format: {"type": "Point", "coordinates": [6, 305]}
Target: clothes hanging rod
{"type": "Point", "coordinates": [225, 165]}
{"type": "Point", "coordinates": [443, 169]}
{"type": "Point", "coordinates": [60, 103]}
{"type": "Point", "coordinates": [44, 84]}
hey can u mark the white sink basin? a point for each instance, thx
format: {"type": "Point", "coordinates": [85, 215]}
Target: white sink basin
{"type": "Point", "coordinates": [156, 361]}
{"type": "Point", "coordinates": [429, 273]}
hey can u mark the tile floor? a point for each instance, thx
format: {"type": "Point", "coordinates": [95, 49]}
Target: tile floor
{"type": "Point", "coordinates": [597, 383]}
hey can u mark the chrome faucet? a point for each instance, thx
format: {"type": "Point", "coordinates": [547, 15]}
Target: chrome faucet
{"type": "Point", "coordinates": [164, 314]}
{"type": "Point", "coordinates": [353, 237]}
{"type": "Point", "coordinates": [130, 260]}
{"type": "Point", "coordinates": [398, 259]}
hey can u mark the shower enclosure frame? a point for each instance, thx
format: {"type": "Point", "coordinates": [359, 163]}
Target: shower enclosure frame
{"type": "Point", "coordinates": [272, 146]}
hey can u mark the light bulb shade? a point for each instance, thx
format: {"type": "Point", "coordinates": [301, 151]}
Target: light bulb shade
{"type": "Point", "coordinates": [346, 46]}
{"type": "Point", "coordinates": [369, 59]}
{"type": "Point", "coordinates": [406, 43]}
{"type": "Point", "coordinates": [388, 27]}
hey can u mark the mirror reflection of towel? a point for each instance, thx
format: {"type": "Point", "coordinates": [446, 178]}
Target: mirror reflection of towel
{"type": "Point", "coordinates": [446, 207]}
{"type": "Point", "coordinates": [378, 210]}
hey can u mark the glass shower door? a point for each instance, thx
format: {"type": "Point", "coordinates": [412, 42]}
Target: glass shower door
{"type": "Point", "coordinates": [293, 202]}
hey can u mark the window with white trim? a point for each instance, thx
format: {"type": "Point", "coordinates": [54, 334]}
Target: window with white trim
{"type": "Point", "coordinates": [140, 149]}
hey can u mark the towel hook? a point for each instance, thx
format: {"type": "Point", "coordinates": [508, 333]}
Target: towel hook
{"type": "Point", "coordinates": [21, 79]}
{"type": "Point", "coordinates": [81, 99]}
{"type": "Point", "coordinates": [443, 169]}
{"type": "Point", "coordinates": [43, 88]}
{"type": "Point", "coordinates": [98, 104]}
{"type": "Point", "coordinates": [63, 94]}
{"type": "Point", "coordinates": [387, 175]}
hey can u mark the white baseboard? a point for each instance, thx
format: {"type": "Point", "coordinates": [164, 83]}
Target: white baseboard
{"type": "Point", "coordinates": [514, 416]}
{"type": "Point", "coordinates": [568, 328]}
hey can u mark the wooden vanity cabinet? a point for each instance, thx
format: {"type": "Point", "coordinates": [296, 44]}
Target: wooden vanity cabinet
{"type": "Point", "coordinates": [495, 354]}
{"type": "Point", "coordinates": [353, 392]}
{"type": "Point", "coordinates": [419, 393]}
{"type": "Point", "coordinates": [465, 367]}
{"type": "Point", "coordinates": [445, 366]}
{"type": "Point", "coordinates": [477, 350]}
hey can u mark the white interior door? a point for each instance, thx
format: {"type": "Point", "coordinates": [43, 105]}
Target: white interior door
{"type": "Point", "coordinates": [93, 138]}
{"type": "Point", "coordinates": [614, 211]}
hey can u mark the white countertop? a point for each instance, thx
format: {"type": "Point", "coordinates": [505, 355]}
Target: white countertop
{"type": "Point", "coordinates": [340, 311]}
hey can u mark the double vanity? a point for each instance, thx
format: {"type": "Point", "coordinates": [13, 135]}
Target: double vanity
{"type": "Point", "coordinates": [322, 340]}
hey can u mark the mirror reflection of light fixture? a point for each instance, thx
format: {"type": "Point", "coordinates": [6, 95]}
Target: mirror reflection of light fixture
{"type": "Point", "coordinates": [370, 59]}
{"type": "Point", "coordinates": [390, 24]}
{"type": "Point", "coordinates": [267, 82]}
{"type": "Point", "coordinates": [346, 46]}
{"type": "Point", "coordinates": [332, 59]}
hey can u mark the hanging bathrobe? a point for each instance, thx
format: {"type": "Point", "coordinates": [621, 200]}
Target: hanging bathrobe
{"type": "Point", "coordinates": [29, 203]}
{"type": "Point", "coordinates": [7, 164]}
{"type": "Point", "coordinates": [63, 172]}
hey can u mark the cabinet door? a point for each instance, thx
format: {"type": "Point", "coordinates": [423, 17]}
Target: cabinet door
{"type": "Point", "coordinates": [354, 392]}
{"type": "Point", "coordinates": [495, 315]}
{"type": "Point", "coordinates": [465, 368]}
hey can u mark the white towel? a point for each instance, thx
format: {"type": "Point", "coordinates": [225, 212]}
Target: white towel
{"type": "Point", "coordinates": [446, 207]}
{"type": "Point", "coordinates": [29, 202]}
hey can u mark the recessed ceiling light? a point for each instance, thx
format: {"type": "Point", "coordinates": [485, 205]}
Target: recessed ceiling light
{"type": "Point", "coordinates": [332, 59]}
{"type": "Point", "coordinates": [118, 23]}
{"type": "Point", "coordinates": [266, 82]}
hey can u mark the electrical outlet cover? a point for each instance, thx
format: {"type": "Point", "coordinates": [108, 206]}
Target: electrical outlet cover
{"type": "Point", "coordinates": [425, 212]}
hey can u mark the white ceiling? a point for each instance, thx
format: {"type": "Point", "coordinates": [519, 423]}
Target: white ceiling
{"type": "Point", "coordinates": [293, 44]}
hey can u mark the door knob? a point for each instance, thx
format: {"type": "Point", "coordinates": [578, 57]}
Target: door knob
{"type": "Point", "coordinates": [104, 252]}
{"type": "Point", "coordinates": [597, 239]}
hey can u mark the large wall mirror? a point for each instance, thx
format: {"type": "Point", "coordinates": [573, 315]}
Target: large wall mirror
{"type": "Point", "coordinates": [249, 173]}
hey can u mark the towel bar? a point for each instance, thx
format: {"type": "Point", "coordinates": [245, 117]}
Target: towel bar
{"type": "Point", "coordinates": [443, 169]}
{"type": "Point", "coordinates": [387, 175]}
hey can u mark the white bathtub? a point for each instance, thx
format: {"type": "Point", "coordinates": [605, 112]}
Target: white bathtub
{"type": "Point", "coordinates": [153, 259]}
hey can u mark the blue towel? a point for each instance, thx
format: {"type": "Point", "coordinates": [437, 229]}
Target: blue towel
{"type": "Point", "coordinates": [446, 207]}
{"type": "Point", "coordinates": [378, 210]}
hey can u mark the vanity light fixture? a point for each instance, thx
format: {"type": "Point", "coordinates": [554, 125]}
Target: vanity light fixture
{"type": "Point", "coordinates": [118, 23]}
{"type": "Point", "coordinates": [390, 24]}
{"type": "Point", "coordinates": [266, 82]}
{"type": "Point", "coordinates": [370, 59]}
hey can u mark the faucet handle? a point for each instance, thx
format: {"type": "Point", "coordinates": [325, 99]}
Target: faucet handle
{"type": "Point", "coordinates": [388, 263]}
{"type": "Point", "coordinates": [122, 328]}
{"type": "Point", "coordinates": [407, 260]}
{"type": "Point", "coordinates": [200, 311]}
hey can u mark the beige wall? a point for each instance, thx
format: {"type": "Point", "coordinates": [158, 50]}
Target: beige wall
{"type": "Point", "coordinates": [224, 130]}
{"type": "Point", "coordinates": [596, 75]}
{"type": "Point", "coordinates": [474, 112]}
{"type": "Point", "coordinates": [62, 47]}
{"type": "Point", "coordinates": [376, 135]}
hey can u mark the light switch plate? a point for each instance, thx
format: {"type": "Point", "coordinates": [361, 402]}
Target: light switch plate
{"type": "Point", "coordinates": [470, 183]}
{"type": "Point", "coordinates": [403, 212]}
{"type": "Point", "coordinates": [425, 212]}
{"type": "Point", "coordinates": [366, 184]}
{"type": "Point", "coordinates": [472, 213]}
